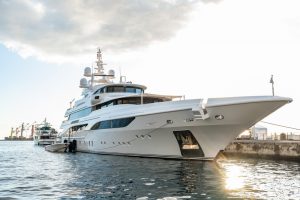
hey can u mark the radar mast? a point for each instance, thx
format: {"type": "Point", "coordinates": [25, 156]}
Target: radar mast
{"type": "Point", "coordinates": [98, 71]}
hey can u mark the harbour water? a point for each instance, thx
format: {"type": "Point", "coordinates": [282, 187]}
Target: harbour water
{"type": "Point", "coordinates": [29, 172]}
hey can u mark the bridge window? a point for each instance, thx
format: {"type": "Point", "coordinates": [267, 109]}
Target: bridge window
{"type": "Point", "coordinates": [133, 90]}
{"type": "Point", "coordinates": [111, 89]}
{"type": "Point", "coordinates": [46, 128]}
{"type": "Point", "coordinates": [130, 100]}
{"type": "Point", "coordinates": [101, 90]}
{"type": "Point", "coordinates": [115, 89]}
{"type": "Point", "coordinates": [79, 114]}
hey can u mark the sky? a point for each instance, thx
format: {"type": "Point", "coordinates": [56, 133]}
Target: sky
{"type": "Point", "coordinates": [196, 48]}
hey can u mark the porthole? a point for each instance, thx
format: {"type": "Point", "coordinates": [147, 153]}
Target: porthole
{"type": "Point", "coordinates": [219, 117]}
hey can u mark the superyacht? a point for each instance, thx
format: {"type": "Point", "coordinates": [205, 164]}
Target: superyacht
{"type": "Point", "coordinates": [120, 118]}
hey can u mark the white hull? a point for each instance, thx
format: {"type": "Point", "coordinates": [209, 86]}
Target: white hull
{"type": "Point", "coordinates": [44, 134]}
{"type": "Point", "coordinates": [121, 119]}
{"type": "Point", "coordinates": [153, 134]}
{"type": "Point", "coordinates": [60, 147]}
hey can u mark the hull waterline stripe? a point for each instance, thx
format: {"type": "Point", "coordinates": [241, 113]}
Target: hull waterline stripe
{"type": "Point", "coordinates": [149, 155]}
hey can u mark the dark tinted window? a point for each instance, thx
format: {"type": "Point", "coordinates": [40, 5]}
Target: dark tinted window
{"type": "Point", "coordinates": [101, 90]}
{"type": "Point", "coordinates": [109, 89]}
{"type": "Point", "coordinates": [118, 123]}
{"type": "Point", "coordinates": [78, 127]}
{"type": "Point", "coordinates": [46, 128]}
{"type": "Point", "coordinates": [105, 124]}
{"type": "Point", "coordinates": [118, 89]}
{"type": "Point", "coordinates": [79, 114]}
{"type": "Point", "coordinates": [115, 89]}
{"type": "Point", "coordinates": [96, 126]}
{"type": "Point", "coordinates": [130, 89]}
{"type": "Point", "coordinates": [138, 90]}
{"type": "Point", "coordinates": [131, 100]}
{"type": "Point", "coordinates": [115, 123]}
{"type": "Point", "coordinates": [133, 90]}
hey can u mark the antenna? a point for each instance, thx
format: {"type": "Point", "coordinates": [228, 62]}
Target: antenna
{"type": "Point", "coordinates": [94, 72]}
{"type": "Point", "coordinates": [71, 102]}
{"type": "Point", "coordinates": [92, 78]}
{"type": "Point", "coordinates": [272, 82]}
{"type": "Point", "coordinates": [120, 70]}
{"type": "Point", "coordinates": [99, 62]}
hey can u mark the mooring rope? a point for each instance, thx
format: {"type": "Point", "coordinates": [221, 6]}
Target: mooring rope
{"type": "Point", "coordinates": [298, 129]}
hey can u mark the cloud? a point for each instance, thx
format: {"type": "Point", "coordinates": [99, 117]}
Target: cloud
{"type": "Point", "coordinates": [57, 30]}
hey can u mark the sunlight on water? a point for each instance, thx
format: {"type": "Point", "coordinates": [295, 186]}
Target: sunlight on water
{"type": "Point", "coordinates": [234, 179]}
{"type": "Point", "coordinates": [28, 172]}
{"type": "Point", "coordinates": [260, 179]}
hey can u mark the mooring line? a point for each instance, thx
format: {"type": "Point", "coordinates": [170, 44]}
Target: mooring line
{"type": "Point", "coordinates": [298, 129]}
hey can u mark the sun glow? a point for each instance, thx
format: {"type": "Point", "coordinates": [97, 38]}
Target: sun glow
{"type": "Point", "coordinates": [234, 180]}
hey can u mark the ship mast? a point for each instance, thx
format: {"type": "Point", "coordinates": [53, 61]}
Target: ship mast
{"type": "Point", "coordinates": [99, 62]}
{"type": "Point", "coordinates": [98, 71]}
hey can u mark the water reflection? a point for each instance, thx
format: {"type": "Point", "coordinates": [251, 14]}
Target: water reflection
{"type": "Point", "coordinates": [234, 179]}
{"type": "Point", "coordinates": [261, 179]}
{"type": "Point", "coordinates": [189, 174]}
{"type": "Point", "coordinates": [28, 172]}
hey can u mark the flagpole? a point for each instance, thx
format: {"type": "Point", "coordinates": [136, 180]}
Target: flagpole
{"type": "Point", "coordinates": [272, 82]}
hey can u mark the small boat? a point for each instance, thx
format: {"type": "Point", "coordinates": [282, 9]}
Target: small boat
{"type": "Point", "coordinates": [44, 134]}
{"type": "Point", "coordinates": [58, 147]}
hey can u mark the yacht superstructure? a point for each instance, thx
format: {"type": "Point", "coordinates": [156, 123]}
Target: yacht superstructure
{"type": "Point", "coordinates": [121, 119]}
{"type": "Point", "coordinates": [44, 134]}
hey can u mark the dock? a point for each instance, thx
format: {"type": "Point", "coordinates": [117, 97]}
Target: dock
{"type": "Point", "coordinates": [277, 149]}
{"type": "Point", "coordinates": [17, 139]}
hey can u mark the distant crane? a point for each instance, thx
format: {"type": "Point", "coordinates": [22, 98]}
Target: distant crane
{"type": "Point", "coordinates": [21, 129]}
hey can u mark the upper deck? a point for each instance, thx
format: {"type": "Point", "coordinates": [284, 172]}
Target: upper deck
{"type": "Point", "coordinates": [100, 91]}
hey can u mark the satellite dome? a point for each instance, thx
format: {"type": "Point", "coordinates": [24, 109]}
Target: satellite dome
{"type": "Point", "coordinates": [87, 72]}
{"type": "Point", "coordinates": [83, 83]}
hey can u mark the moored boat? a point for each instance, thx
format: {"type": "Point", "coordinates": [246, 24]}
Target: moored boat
{"type": "Point", "coordinates": [44, 134]}
{"type": "Point", "coordinates": [57, 147]}
{"type": "Point", "coordinates": [121, 119]}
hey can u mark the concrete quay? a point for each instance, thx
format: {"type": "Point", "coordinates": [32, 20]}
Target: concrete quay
{"type": "Point", "coordinates": [277, 149]}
